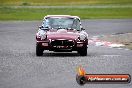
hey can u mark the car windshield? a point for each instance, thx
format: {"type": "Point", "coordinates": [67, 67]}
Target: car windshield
{"type": "Point", "coordinates": [61, 23]}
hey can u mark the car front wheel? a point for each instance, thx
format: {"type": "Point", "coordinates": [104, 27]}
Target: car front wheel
{"type": "Point", "coordinates": [83, 51]}
{"type": "Point", "coordinates": [39, 50]}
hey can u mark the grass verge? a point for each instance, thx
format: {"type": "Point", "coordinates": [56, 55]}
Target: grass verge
{"type": "Point", "coordinates": [62, 2]}
{"type": "Point", "coordinates": [8, 13]}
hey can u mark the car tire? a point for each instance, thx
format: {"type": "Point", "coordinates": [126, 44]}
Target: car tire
{"type": "Point", "coordinates": [83, 51]}
{"type": "Point", "coordinates": [39, 50]}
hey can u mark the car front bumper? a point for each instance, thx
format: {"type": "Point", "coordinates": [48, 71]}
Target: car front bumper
{"type": "Point", "coordinates": [47, 45]}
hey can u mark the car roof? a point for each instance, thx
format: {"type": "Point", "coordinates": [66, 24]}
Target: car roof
{"type": "Point", "coordinates": [69, 16]}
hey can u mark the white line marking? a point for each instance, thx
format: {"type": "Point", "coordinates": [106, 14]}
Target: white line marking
{"type": "Point", "coordinates": [111, 55]}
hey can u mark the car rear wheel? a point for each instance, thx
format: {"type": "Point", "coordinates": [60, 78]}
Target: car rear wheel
{"type": "Point", "coordinates": [39, 50]}
{"type": "Point", "coordinates": [83, 51]}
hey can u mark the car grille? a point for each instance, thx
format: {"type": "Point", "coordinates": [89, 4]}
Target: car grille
{"type": "Point", "coordinates": [62, 43]}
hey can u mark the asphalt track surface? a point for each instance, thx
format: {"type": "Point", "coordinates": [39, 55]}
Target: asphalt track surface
{"type": "Point", "coordinates": [21, 68]}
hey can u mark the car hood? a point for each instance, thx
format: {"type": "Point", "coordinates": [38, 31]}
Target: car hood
{"type": "Point", "coordinates": [63, 34]}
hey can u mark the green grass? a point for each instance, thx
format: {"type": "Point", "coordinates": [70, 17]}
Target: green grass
{"type": "Point", "coordinates": [7, 13]}
{"type": "Point", "coordinates": [63, 2]}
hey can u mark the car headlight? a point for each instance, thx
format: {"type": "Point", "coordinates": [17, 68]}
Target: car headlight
{"type": "Point", "coordinates": [82, 37]}
{"type": "Point", "coordinates": [42, 34]}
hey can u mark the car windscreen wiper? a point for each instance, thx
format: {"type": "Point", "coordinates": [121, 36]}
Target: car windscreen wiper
{"type": "Point", "coordinates": [60, 28]}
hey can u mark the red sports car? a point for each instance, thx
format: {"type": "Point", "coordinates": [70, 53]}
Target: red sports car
{"type": "Point", "coordinates": [61, 33]}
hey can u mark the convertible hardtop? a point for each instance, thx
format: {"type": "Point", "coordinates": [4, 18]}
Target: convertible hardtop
{"type": "Point", "coordinates": [59, 16]}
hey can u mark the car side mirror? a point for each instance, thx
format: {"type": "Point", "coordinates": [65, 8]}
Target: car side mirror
{"type": "Point", "coordinates": [82, 29]}
{"type": "Point", "coordinates": [43, 28]}
{"type": "Point", "coordinates": [40, 27]}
